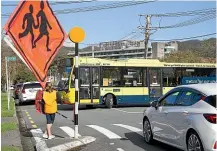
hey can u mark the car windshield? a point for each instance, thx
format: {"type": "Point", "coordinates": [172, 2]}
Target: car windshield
{"type": "Point", "coordinates": [211, 100]}
{"type": "Point", "coordinates": [32, 86]}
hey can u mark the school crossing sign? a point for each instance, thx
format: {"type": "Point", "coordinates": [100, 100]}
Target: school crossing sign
{"type": "Point", "coordinates": [37, 35]}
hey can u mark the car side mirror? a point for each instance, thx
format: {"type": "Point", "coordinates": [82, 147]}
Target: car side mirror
{"type": "Point", "coordinates": [154, 104]}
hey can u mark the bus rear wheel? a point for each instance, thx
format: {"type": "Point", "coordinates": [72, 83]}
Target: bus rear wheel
{"type": "Point", "coordinates": [109, 101]}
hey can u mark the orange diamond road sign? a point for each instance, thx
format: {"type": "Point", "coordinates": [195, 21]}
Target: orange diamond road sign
{"type": "Point", "coordinates": [37, 34]}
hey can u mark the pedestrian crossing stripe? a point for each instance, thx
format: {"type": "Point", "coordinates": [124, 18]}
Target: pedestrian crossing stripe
{"type": "Point", "coordinates": [69, 131]}
{"type": "Point", "coordinates": [111, 135]}
{"type": "Point", "coordinates": [131, 128]}
{"type": "Point", "coordinates": [105, 131]}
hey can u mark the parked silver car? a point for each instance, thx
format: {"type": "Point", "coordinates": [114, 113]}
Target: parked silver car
{"type": "Point", "coordinates": [185, 118]}
{"type": "Point", "coordinates": [28, 91]}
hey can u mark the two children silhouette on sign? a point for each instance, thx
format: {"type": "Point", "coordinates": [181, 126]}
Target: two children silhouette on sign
{"type": "Point", "coordinates": [31, 24]}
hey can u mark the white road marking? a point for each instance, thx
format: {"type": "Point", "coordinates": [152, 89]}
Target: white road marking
{"type": "Point", "coordinates": [105, 131]}
{"type": "Point", "coordinates": [127, 112]}
{"type": "Point", "coordinates": [120, 149]}
{"type": "Point", "coordinates": [40, 143]}
{"type": "Point", "coordinates": [69, 131]}
{"type": "Point", "coordinates": [131, 128]}
{"type": "Point", "coordinates": [112, 143]}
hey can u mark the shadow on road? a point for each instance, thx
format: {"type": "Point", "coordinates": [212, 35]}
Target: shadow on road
{"type": "Point", "coordinates": [81, 107]}
{"type": "Point", "coordinates": [90, 107]}
{"type": "Point", "coordinates": [138, 140]}
{"type": "Point", "coordinates": [27, 103]}
{"type": "Point", "coordinates": [130, 106]}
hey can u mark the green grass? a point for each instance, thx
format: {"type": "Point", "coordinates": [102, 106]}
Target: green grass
{"type": "Point", "coordinates": [4, 106]}
{"type": "Point", "coordinates": [8, 126]}
{"type": "Point", "coordinates": [10, 148]}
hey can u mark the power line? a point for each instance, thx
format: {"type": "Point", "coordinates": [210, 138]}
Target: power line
{"type": "Point", "coordinates": [159, 39]}
{"type": "Point", "coordinates": [101, 7]}
{"type": "Point", "coordinates": [95, 8]}
{"type": "Point", "coordinates": [186, 13]}
{"type": "Point", "coordinates": [56, 3]}
{"type": "Point", "coordinates": [190, 22]}
{"type": "Point", "coordinates": [184, 38]}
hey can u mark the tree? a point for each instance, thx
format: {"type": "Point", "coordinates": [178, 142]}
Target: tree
{"type": "Point", "coordinates": [187, 57]}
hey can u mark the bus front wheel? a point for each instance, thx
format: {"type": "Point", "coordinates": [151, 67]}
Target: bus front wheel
{"type": "Point", "coordinates": [109, 101]}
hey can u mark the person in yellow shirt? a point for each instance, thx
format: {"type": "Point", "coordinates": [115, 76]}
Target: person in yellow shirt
{"type": "Point", "coordinates": [50, 108]}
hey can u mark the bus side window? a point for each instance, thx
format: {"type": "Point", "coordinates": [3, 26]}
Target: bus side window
{"type": "Point", "coordinates": [169, 77]}
{"type": "Point", "coordinates": [132, 77]}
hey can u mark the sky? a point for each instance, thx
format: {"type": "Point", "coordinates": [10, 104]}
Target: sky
{"type": "Point", "coordinates": [114, 24]}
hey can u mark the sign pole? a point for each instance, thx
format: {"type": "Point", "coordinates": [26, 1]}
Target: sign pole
{"type": "Point", "coordinates": [76, 91]}
{"type": "Point", "coordinates": [76, 35]}
{"type": "Point", "coordinates": [16, 51]}
{"type": "Point", "coordinates": [6, 67]}
{"type": "Point", "coordinates": [9, 90]}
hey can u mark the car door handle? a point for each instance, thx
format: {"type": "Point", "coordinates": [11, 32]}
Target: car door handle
{"type": "Point", "coordinates": [185, 112]}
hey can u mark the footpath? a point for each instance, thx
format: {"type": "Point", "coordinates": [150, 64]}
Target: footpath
{"type": "Point", "coordinates": [10, 134]}
{"type": "Point", "coordinates": [16, 136]}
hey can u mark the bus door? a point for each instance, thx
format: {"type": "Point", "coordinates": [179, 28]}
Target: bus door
{"type": "Point", "coordinates": [95, 81]}
{"type": "Point", "coordinates": [155, 83]}
{"type": "Point", "coordinates": [89, 85]}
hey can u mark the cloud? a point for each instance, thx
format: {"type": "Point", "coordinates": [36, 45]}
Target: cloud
{"type": "Point", "coordinates": [68, 43]}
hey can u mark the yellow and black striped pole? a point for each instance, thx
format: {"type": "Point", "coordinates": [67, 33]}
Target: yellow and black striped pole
{"type": "Point", "coordinates": [76, 35]}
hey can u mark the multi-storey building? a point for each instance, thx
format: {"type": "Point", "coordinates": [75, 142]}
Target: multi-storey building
{"type": "Point", "coordinates": [160, 49]}
{"type": "Point", "coordinates": [127, 49]}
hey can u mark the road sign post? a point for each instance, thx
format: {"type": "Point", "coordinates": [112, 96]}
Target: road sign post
{"type": "Point", "coordinates": [76, 35]}
{"type": "Point", "coordinates": [7, 59]}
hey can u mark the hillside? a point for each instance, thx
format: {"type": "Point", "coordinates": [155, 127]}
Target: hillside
{"type": "Point", "coordinates": [205, 48]}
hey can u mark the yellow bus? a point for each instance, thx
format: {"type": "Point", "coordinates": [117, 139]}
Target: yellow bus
{"type": "Point", "coordinates": [130, 81]}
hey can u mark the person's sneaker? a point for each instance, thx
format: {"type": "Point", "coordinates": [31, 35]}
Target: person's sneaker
{"type": "Point", "coordinates": [45, 136]}
{"type": "Point", "coordinates": [51, 137]}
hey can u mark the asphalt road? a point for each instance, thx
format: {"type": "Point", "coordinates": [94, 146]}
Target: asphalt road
{"type": "Point", "coordinates": [116, 129]}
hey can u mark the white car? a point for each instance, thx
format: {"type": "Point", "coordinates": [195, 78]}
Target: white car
{"type": "Point", "coordinates": [28, 91]}
{"type": "Point", "coordinates": [185, 118]}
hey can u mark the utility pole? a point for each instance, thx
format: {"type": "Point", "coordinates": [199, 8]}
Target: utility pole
{"type": "Point", "coordinates": [93, 51]}
{"type": "Point", "coordinates": [147, 34]}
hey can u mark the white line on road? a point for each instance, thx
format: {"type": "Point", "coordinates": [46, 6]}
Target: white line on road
{"type": "Point", "coordinates": [40, 143]}
{"type": "Point", "coordinates": [105, 131]}
{"type": "Point", "coordinates": [131, 128]}
{"type": "Point", "coordinates": [120, 149]}
{"type": "Point", "coordinates": [127, 112]}
{"type": "Point", "coordinates": [69, 131]}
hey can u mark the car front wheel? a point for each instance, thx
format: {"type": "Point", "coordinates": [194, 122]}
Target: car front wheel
{"type": "Point", "coordinates": [147, 133]}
